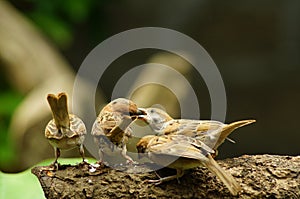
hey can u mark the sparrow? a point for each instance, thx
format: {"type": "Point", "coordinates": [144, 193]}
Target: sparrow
{"type": "Point", "coordinates": [111, 127]}
{"type": "Point", "coordinates": [181, 153]}
{"type": "Point", "coordinates": [212, 133]}
{"type": "Point", "coordinates": [65, 131]}
{"type": "Point", "coordinates": [155, 117]}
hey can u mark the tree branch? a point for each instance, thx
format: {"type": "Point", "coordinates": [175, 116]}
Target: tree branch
{"type": "Point", "coordinates": [259, 175]}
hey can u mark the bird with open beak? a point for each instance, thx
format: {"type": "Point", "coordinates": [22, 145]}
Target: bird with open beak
{"type": "Point", "coordinates": [212, 133]}
{"type": "Point", "coordinates": [181, 153]}
{"type": "Point", "coordinates": [65, 131]}
{"type": "Point", "coordinates": [111, 127]}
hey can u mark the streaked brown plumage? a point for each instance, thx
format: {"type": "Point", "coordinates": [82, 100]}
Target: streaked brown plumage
{"type": "Point", "coordinates": [111, 127]}
{"type": "Point", "coordinates": [65, 131]}
{"type": "Point", "coordinates": [212, 133]}
{"type": "Point", "coordinates": [181, 153]}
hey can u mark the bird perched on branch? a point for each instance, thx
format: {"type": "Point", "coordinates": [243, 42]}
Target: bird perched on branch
{"type": "Point", "coordinates": [212, 133]}
{"type": "Point", "coordinates": [111, 127]}
{"type": "Point", "coordinates": [65, 131]}
{"type": "Point", "coordinates": [181, 153]}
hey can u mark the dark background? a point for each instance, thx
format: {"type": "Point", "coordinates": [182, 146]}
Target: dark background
{"type": "Point", "coordinates": [255, 44]}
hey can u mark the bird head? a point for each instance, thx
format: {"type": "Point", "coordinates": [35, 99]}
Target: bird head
{"type": "Point", "coordinates": [125, 107]}
{"type": "Point", "coordinates": [155, 117]}
{"type": "Point", "coordinates": [142, 145]}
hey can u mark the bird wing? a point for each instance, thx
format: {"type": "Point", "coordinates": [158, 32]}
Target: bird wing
{"type": "Point", "coordinates": [77, 126]}
{"type": "Point", "coordinates": [97, 129]}
{"type": "Point", "coordinates": [105, 122]}
{"type": "Point", "coordinates": [179, 145]}
{"type": "Point", "coordinates": [51, 131]}
{"type": "Point", "coordinates": [206, 131]}
{"type": "Point", "coordinates": [209, 131]}
{"type": "Point", "coordinates": [198, 127]}
{"type": "Point", "coordinates": [112, 125]}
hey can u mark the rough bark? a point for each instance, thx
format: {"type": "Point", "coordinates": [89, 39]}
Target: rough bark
{"type": "Point", "coordinates": [261, 176]}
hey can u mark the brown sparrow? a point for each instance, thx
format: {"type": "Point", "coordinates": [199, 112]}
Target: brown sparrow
{"type": "Point", "coordinates": [181, 153]}
{"type": "Point", "coordinates": [212, 133]}
{"type": "Point", "coordinates": [111, 127]}
{"type": "Point", "coordinates": [65, 131]}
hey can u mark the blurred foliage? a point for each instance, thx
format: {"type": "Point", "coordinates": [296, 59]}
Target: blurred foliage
{"type": "Point", "coordinates": [9, 100]}
{"type": "Point", "coordinates": [58, 19]}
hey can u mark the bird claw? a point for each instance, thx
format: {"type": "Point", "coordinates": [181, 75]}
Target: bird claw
{"type": "Point", "coordinates": [84, 162]}
{"type": "Point", "coordinates": [102, 163]}
{"type": "Point", "coordinates": [54, 166]}
{"type": "Point", "coordinates": [156, 182]}
{"type": "Point", "coordinates": [131, 162]}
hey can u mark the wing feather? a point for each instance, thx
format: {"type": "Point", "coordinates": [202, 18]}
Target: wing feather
{"type": "Point", "coordinates": [179, 145]}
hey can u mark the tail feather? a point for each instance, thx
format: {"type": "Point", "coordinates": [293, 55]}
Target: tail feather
{"type": "Point", "coordinates": [225, 177]}
{"type": "Point", "coordinates": [227, 129]}
{"type": "Point", "coordinates": [238, 124]}
{"type": "Point", "coordinates": [59, 108]}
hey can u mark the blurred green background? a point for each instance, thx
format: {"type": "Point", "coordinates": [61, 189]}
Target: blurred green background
{"type": "Point", "coordinates": [255, 44]}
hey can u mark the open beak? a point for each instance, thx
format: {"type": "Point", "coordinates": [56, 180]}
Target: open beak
{"type": "Point", "coordinates": [140, 114]}
{"type": "Point", "coordinates": [137, 113]}
{"type": "Point", "coordinates": [141, 111]}
{"type": "Point", "coordinates": [143, 116]}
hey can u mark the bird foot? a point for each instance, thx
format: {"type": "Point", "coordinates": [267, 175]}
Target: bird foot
{"type": "Point", "coordinates": [54, 166]}
{"type": "Point", "coordinates": [84, 162]}
{"type": "Point", "coordinates": [156, 182]}
{"type": "Point", "coordinates": [131, 161]}
{"type": "Point", "coordinates": [102, 163]}
{"type": "Point", "coordinates": [163, 179]}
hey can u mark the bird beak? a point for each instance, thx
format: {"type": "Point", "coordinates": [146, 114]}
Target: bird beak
{"type": "Point", "coordinates": [141, 111]}
{"type": "Point", "coordinates": [142, 114]}
{"type": "Point", "coordinates": [144, 118]}
{"type": "Point", "coordinates": [137, 114]}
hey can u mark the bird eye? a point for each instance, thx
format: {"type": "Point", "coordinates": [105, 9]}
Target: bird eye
{"type": "Point", "coordinates": [152, 111]}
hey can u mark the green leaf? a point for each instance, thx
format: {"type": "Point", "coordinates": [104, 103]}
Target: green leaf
{"type": "Point", "coordinates": [25, 185]}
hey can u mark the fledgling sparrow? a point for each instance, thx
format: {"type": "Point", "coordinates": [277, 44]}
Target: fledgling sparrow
{"type": "Point", "coordinates": [181, 153]}
{"type": "Point", "coordinates": [212, 133]}
{"type": "Point", "coordinates": [65, 131]}
{"type": "Point", "coordinates": [111, 127]}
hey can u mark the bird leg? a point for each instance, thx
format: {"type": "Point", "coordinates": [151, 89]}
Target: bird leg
{"type": "Point", "coordinates": [57, 154]}
{"type": "Point", "coordinates": [100, 153]}
{"type": "Point", "coordinates": [81, 151]}
{"type": "Point", "coordinates": [178, 175]}
{"type": "Point", "coordinates": [55, 163]}
{"type": "Point", "coordinates": [129, 160]}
